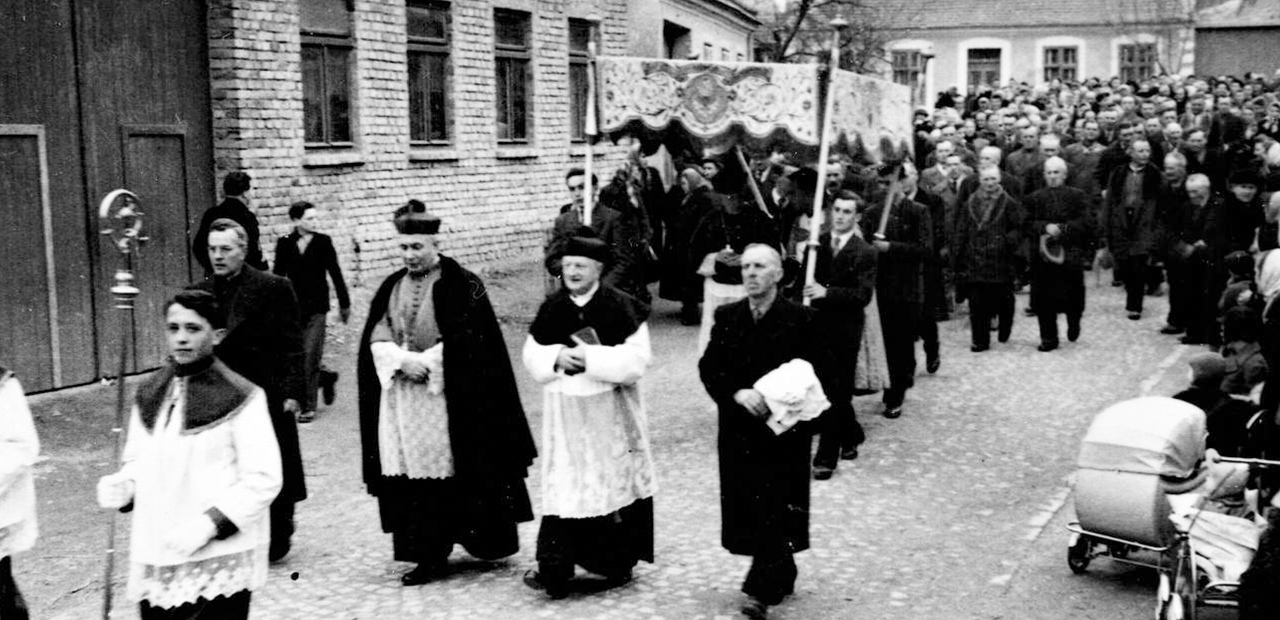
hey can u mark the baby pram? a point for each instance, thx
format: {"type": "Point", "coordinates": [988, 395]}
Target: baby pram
{"type": "Point", "coordinates": [1134, 455]}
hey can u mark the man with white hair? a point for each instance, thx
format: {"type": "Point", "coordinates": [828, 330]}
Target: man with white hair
{"type": "Point", "coordinates": [985, 244]}
{"type": "Point", "coordinates": [1033, 179]}
{"type": "Point", "coordinates": [1061, 236]}
{"type": "Point", "coordinates": [989, 155]}
{"type": "Point", "coordinates": [764, 474]}
{"type": "Point", "coordinates": [1129, 219]}
{"type": "Point", "coordinates": [1196, 243]}
{"type": "Point", "coordinates": [1174, 214]}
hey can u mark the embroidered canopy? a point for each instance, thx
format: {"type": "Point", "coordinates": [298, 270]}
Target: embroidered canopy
{"type": "Point", "coordinates": [871, 113]}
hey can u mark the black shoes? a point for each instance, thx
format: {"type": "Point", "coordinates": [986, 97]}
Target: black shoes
{"type": "Point", "coordinates": [893, 413]}
{"type": "Point", "coordinates": [534, 580]}
{"type": "Point", "coordinates": [822, 472]}
{"type": "Point", "coordinates": [754, 609]}
{"type": "Point", "coordinates": [1133, 316]}
{"type": "Point", "coordinates": [424, 573]}
{"type": "Point", "coordinates": [1073, 332]}
{"type": "Point", "coordinates": [1171, 330]}
{"type": "Point", "coordinates": [979, 348]}
{"type": "Point", "coordinates": [1190, 340]}
{"type": "Point", "coordinates": [1047, 346]}
{"type": "Point", "coordinates": [849, 454]}
{"type": "Point", "coordinates": [933, 364]}
{"type": "Point", "coordinates": [328, 381]}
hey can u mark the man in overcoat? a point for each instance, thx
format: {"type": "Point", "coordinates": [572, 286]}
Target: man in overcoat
{"type": "Point", "coordinates": [987, 238]}
{"type": "Point", "coordinates": [1129, 221]}
{"type": "Point", "coordinates": [764, 477]}
{"type": "Point", "coordinates": [263, 343]}
{"type": "Point", "coordinates": [1060, 236]}
{"type": "Point", "coordinates": [235, 207]}
{"type": "Point", "coordinates": [845, 279]}
{"type": "Point", "coordinates": [445, 445]}
{"type": "Point", "coordinates": [904, 246]}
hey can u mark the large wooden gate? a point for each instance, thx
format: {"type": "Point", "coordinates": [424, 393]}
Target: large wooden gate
{"type": "Point", "coordinates": [98, 94]}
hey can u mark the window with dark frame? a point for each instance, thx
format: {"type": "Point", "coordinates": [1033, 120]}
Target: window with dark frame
{"type": "Point", "coordinates": [1137, 61]}
{"type": "Point", "coordinates": [907, 67]}
{"type": "Point", "coordinates": [428, 32]}
{"type": "Point", "coordinates": [581, 33]}
{"type": "Point", "coordinates": [708, 52]}
{"type": "Point", "coordinates": [326, 72]}
{"type": "Point", "coordinates": [1060, 63]}
{"type": "Point", "coordinates": [512, 52]}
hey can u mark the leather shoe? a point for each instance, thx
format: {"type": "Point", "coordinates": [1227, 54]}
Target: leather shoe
{"type": "Point", "coordinates": [849, 454]}
{"type": "Point", "coordinates": [328, 381]}
{"type": "Point", "coordinates": [754, 609]}
{"type": "Point", "coordinates": [424, 573]}
{"type": "Point", "coordinates": [1190, 340]}
{"type": "Point", "coordinates": [1073, 332]}
{"type": "Point", "coordinates": [933, 364]}
{"type": "Point", "coordinates": [533, 579]}
{"type": "Point", "coordinates": [1171, 330]}
{"type": "Point", "coordinates": [1029, 311]}
{"type": "Point", "coordinates": [822, 472]}
{"type": "Point", "coordinates": [1047, 346]}
{"type": "Point", "coordinates": [979, 348]}
{"type": "Point", "coordinates": [1133, 316]}
{"type": "Point", "coordinates": [893, 413]}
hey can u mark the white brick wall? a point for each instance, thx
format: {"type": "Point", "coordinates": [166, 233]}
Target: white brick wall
{"type": "Point", "coordinates": [495, 208]}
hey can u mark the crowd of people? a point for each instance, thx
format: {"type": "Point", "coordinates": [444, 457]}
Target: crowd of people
{"type": "Point", "coordinates": [807, 291]}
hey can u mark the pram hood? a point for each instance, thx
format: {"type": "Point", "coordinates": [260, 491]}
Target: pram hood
{"type": "Point", "coordinates": [1149, 435]}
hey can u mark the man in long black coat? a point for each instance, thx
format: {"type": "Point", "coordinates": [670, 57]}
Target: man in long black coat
{"type": "Point", "coordinates": [263, 344]}
{"type": "Point", "coordinates": [1060, 237]}
{"type": "Point", "coordinates": [235, 207]}
{"type": "Point", "coordinates": [477, 498]}
{"type": "Point", "coordinates": [904, 247]}
{"type": "Point", "coordinates": [1129, 221]}
{"type": "Point", "coordinates": [985, 246]}
{"type": "Point", "coordinates": [935, 288]}
{"type": "Point", "coordinates": [845, 279]}
{"type": "Point", "coordinates": [764, 478]}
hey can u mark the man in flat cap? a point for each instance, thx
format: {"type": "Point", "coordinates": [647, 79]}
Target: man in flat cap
{"type": "Point", "coordinates": [444, 439]}
{"type": "Point", "coordinates": [589, 347]}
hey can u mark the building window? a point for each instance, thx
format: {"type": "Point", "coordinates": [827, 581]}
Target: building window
{"type": "Point", "coordinates": [1060, 63]}
{"type": "Point", "coordinates": [739, 57]}
{"type": "Point", "coordinates": [724, 54]}
{"type": "Point", "coordinates": [428, 30]}
{"type": "Point", "coordinates": [512, 52]}
{"type": "Point", "coordinates": [907, 67]}
{"type": "Point", "coordinates": [675, 40]}
{"type": "Point", "coordinates": [581, 34]}
{"type": "Point", "coordinates": [708, 52]}
{"type": "Point", "coordinates": [326, 72]}
{"type": "Point", "coordinates": [1137, 61]}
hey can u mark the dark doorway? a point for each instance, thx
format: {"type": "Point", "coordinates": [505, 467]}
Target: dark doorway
{"type": "Point", "coordinates": [984, 68]}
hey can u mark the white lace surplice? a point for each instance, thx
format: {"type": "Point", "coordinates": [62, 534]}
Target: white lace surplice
{"type": "Point", "coordinates": [595, 442]}
{"type": "Point", "coordinates": [413, 426]}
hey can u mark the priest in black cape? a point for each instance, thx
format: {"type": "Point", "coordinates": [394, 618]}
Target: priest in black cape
{"type": "Point", "coordinates": [445, 444]}
{"type": "Point", "coordinates": [589, 348]}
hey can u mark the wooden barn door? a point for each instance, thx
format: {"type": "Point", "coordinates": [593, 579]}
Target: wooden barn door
{"type": "Point", "coordinates": [145, 88]}
{"type": "Point", "coordinates": [97, 95]}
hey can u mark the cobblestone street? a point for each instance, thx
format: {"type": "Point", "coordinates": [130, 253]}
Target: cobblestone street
{"type": "Point", "coordinates": [955, 510]}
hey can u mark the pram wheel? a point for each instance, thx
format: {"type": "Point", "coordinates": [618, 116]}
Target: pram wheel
{"type": "Point", "coordinates": [1078, 548]}
{"type": "Point", "coordinates": [1180, 603]}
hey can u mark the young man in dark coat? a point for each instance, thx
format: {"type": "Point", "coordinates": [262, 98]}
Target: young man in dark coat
{"type": "Point", "coordinates": [764, 477]}
{"type": "Point", "coordinates": [235, 207]}
{"type": "Point", "coordinates": [935, 288]}
{"type": "Point", "coordinates": [308, 259]}
{"type": "Point", "coordinates": [1129, 221]}
{"type": "Point", "coordinates": [985, 244]}
{"type": "Point", "coordinates": [1061, 240]}
{"type": "Point", "coordinates": [903, 247]}
{"type": "Point", "coordinates": [845, 279]}
{"type": "Point", "coordinates": [444, 441]}
{"type": "Point", "coordinates": [263, 343]}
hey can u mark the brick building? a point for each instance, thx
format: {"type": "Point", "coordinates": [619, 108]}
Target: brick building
{"type": "Point", "coordinates": [475, 106]}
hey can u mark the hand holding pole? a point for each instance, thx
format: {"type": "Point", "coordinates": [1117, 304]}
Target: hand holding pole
{"type": "Point", "coordinates": [824, 148]}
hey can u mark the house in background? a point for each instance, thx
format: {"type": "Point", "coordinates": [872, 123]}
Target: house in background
{"type": "Point", "coordinates": [1237, 36]}
{"type": "Point", "coordinates": [475, 106]}
{"type": "Point", "coordinates": [938, 44]}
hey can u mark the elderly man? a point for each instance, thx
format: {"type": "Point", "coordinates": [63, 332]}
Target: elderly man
{"type": "Point", "coordinates": [1174, 215]}
{"type": "Point", "coordinates": [1129, 222]}
{"type": "Point", "coordinates": [1020, 161]}
{"type": "Point", "coordinates": [1198, 245]}
{"type": "Point", "coordinates": [764, 476]}
{"type": "Point", "coordinates": [234, 207]}
{"type": "Point", "coordinates": [589, 347]}
{"type": "Point", "coordinates": [1061, 237]}
{"type": "Point", "coordinates": [1033, 179]}
{"type": "Point", "coordinates": [263, 343]}
{"type": "Point", "coordinates": [1082, 160]}
{"type": "Point", "coordinates": [845, 279]}
{"type": "Point", "coordinates": [985, 244]}
{"type": "Point", "coordinates": [445, 444]}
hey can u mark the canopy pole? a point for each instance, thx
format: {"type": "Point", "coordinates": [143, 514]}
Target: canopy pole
{"type": "Point", "coordinates": [588, 192]}
{"type": "Point", "coordinates": [751, 181]}
{"type": "Point", "coordinates": [824, 148]}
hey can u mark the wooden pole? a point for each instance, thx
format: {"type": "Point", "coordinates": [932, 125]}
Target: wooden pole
{"type": "Point", "coordinates": [824, 148]}
{"type": "Point", "coordinates": [751, 181]}
{"type": "Point", "coordinates": [588, 192]}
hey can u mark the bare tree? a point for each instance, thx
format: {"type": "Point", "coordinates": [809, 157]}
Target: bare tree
{"type": "Point", "coordinates": [1168, 21]}
{"type": "Point", "coordinates": [803, 31]}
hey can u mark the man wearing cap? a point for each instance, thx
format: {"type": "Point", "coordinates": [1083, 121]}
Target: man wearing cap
{"type": "Point", "coordinates": [589, 347]}
{"type": "Point", "coordinates": [445, 444]}
{"type": "Point", "coordinates": [1060, 237]}
{"type": "Point", "coordinates": [764, 476]}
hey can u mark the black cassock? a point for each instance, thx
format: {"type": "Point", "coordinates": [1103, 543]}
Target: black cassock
{"type": "Point", "coordinates": [764, 478]}
{"type": "Point", "coordinates": [1059, 288]}
{"type": "Point", "coordinates": [489, 435]}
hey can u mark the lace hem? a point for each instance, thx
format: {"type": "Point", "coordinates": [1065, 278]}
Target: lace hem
{"type": "Point", "coordinates": [224, 575]}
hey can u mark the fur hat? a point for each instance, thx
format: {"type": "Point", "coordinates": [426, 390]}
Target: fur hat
{"type": "Point", "coordinates": [1207, 369]}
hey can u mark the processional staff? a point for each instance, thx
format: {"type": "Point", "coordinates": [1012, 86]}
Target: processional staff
{"type": "Point", "coordinates": [815, 221]}
{"type": "Point", "coordinates": [590, 131]}
{"type": "Point", "coordinates": [120, 219]}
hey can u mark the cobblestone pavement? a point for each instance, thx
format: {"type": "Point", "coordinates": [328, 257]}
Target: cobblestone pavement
{"type": "Point", "coordinates": [955, 510]}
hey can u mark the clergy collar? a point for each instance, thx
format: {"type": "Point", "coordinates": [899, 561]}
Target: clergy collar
{"type": "Point", "coordinates": [585, 298]}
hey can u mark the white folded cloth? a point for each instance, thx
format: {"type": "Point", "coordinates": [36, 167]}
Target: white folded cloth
{"type": "Point", "coordinates": [793, 394]}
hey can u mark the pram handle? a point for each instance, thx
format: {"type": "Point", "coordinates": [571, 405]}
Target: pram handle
{"type": "Point", "coordinates": [1257, 462]}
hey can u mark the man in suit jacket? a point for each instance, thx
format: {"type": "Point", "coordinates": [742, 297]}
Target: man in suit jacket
{"type": "Point", "coordinates": [904, 245]}
{"type": "Point", "coordinates": [263, 343]}
{"type": "Point", "coordinates": [235, 207]}
{"type": "Point", "coordinates": [306, 257]}
{"type": "Point", "coordinates": [844, 280]}
{"type": "Point", "coordinates": [985, 245]}
{"type": "Point", "coordinates": [764, 477]}
{"type": "Point", "coordinates": [1129, 221]}
{"type": "Point", "coordinates": [1060, 235]}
